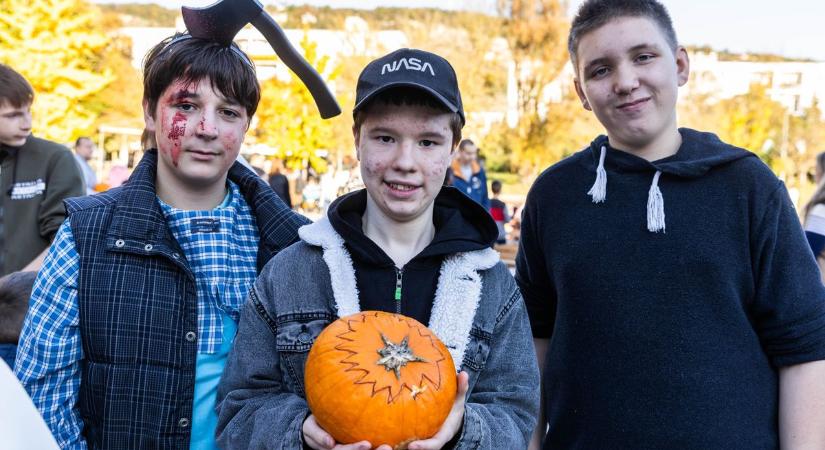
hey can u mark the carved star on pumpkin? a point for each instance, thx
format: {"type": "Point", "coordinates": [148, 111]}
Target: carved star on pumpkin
{"type": "Point", "coordinates": [395, 356]}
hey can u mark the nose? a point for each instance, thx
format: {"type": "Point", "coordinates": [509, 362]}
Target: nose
{"type": "Point", "coordinates": [626, 80]}
{"type": "Point", "coordinates": [26, 123]}
{"type": "Point", "coordinates": [208, 126]}
{"type": "Point", "coordinates": [404, 157]}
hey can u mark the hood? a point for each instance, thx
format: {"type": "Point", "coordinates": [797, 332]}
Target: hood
{"type": "Point", "coordinates": [698, 154]}
{"type": "Point", "coordinates": [461, 225]}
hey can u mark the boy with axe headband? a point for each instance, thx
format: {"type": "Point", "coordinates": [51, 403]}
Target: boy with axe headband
{"type": "Point", "coordinates": [674, 301]}
{"type": "Point", "coordinates": [137, 305]}
{"type": "Point", "coordinates": [404, 244]}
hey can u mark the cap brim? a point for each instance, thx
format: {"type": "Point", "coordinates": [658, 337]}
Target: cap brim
{"type": "Point", "coordinates": [429, 90]}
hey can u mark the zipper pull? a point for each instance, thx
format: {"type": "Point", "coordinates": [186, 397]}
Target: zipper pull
{"type": "Point", "coordinates": [397, 285]}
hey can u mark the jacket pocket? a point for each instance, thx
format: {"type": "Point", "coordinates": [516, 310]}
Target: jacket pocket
{"type": "Point", "coordinates": [478, 349]}
{"type": "Point", "coordinates": [293, 340]}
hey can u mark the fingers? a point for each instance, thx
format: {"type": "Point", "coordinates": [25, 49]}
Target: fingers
{"type": "Point", "coordinates": [363, 445]}
{"type": "Point", "coordinates": [453, 421]}
{"type": "Point", "coordinates": [315, 437]}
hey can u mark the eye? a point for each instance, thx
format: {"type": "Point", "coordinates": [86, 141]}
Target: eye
{"type": "Point", "coordinates": [645, 57]}
{"type": "Point", "coordinates": [385, 139]}
{"type": "Point", "coordinates": [599, 72]}
{"type": "Point", "coordinates": [230, 113]}
{"type": "Point", "coordinates": [185, 106]}
{"type": "Point", "coordinates": [427, 143]}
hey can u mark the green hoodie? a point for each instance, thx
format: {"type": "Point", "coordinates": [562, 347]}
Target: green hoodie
{"type": "Point", "coordinates": [34, 181]}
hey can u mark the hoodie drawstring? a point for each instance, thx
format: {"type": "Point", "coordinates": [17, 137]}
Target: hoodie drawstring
{"type": "Point", "coordinates": [655, 206]}
{"type": "Point", "coordinates": [655, 201]}
{"type": "Point", "coordinates": [599, 190]}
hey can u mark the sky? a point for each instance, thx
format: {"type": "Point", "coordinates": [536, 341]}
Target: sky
{"type": "Point", "coordinates": [791, 28]}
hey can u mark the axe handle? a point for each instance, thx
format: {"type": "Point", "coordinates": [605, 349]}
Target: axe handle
{"type": "Point", "coordinates": [324, 100]}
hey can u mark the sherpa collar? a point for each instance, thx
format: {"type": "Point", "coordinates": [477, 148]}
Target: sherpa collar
{"type": "Point", "coordinates": [456, 298]}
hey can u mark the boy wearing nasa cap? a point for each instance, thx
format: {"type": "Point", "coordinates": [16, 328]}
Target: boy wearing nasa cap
{"type": "Point", "coordinates": [404, 244]}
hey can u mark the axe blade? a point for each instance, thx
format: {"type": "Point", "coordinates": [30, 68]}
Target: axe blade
{"type": "Point", "coordinates": [221, 20]}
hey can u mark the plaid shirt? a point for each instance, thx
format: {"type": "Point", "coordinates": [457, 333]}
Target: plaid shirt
{"type": "Point", "coordinates": [48, 361]}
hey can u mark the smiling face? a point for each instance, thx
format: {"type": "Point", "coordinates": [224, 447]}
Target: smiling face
{"type": "Point", "coordinates": [15, 124]}
{"type": "Point", "coordinates": [404, 152]}
{"type": "Point", "coordinates": [628, 75]}
{"type": "Point", "coordinates": [198, 132]}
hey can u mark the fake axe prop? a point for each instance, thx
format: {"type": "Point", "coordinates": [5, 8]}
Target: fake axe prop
{"type": "Point", "coordinates": [221, 21]}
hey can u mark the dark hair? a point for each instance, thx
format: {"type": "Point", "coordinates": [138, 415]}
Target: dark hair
{"type": "Point", "coordinates": [81, 138]}
{"type": "Point", "coordinates": [495, 186]}
{"type": "Point", "coordinates": [411, 97]}
{"type": "Point", "coordinates": [14, 89]}
{"type": "Point", "coordinates": [819, 194]}
{"type": "Point", "coordinates": [180, 57]}
{"type": "Point", "coordinates": [465, 143]}
{"type": "Point", "coordinates": [593, 14]}
{"type": "Point", "coordinates": [15, 290]}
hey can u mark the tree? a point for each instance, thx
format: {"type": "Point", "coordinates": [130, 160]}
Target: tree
{"type": "Point", "coordinates": [57, 45]}
{"type": "Point", "coordinates": [753, 121]}
{"type": "Point", "coordinates": [288, 119]}
{"type": "Point", "coordinates": [536, 31]}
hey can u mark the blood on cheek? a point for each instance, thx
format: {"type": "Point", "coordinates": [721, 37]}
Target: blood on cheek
{"type": "Point", "coordinates": [176, 132]}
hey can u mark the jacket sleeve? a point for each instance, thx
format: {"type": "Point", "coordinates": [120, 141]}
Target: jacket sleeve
{"type": "Point", "coordinates": [502, 407]}
{"type": "Point", "coordinates": [50, 350]}
{"type": "Point", "coordinates": [64, 181]}
{"type": "Point", "coordinates": [254, 409]}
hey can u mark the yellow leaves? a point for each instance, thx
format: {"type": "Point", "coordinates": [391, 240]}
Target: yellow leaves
{"type": "Point", "coordinates": [57, 46]}
{"type": "Point", "coordinates": [288, 119]}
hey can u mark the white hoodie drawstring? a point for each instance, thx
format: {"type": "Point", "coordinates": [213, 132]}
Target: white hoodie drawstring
{"type": "Point", "coordinates": [599, 190]}
{"type": "Point", "coordinates": [655, 206]}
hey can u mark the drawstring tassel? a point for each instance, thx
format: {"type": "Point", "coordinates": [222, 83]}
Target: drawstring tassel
{"type": "Point", "coordinates": [599, 190]}
{"type": "Point", "coordinates": [655, 207]}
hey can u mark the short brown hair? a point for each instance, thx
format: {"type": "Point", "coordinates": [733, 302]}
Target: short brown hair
{"type": "Point", "coordinates": [14, 89]}
{"type": "Point", "coordinates": [15, 290]}
{"type": "Point", "coordinates": [190, 59]}
{"type": "Point", "coordinates": [409, 96]}
{"type": "Point", "coordinates": [594, 14]}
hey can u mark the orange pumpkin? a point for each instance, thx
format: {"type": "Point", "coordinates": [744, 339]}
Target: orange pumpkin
{"type": "Point", "coordinates": [380, 377]}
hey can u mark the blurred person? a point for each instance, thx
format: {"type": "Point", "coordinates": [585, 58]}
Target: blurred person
{"type": "Point", "coordinates": [672, 295]}
{"type": "Point", "coordinates": [84, 149]}
{"type": "Point", "coordinates": [36, 175]}
{"type": "Point", "coordinates": [15, 290]}
{"type": "Point", "coordinates": [498, 209]}
{"type": "Point", "coordinates": [136, 307]}
{"type": "Point", "coordinates": [815, 215]}
{"type": "Point", "coordinates": [467, 174]}
{"type": "Point", "coordinates": [280, 183]}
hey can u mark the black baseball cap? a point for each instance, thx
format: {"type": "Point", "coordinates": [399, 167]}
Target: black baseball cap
{"type": "Point", "coordinates": [411, 68]}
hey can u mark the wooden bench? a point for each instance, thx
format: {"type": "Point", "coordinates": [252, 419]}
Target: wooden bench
{"type": "Point", "coordinates": [508, 253]}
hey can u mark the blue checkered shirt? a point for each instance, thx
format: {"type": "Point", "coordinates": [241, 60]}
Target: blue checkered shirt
{"type": "Point", "coordinates": [50, 351]}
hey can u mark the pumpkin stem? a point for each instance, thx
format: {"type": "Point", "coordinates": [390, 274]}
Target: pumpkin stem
{"type": "Point", "coordinates": [395, 356]}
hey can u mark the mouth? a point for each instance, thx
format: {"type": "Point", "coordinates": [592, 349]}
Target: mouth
{"type": "Point", "coordinates": [202, 153]}
{"type": "Point", "coordinates": [634, 104]}
{"type": "Point", "coordinates": [401, 187]}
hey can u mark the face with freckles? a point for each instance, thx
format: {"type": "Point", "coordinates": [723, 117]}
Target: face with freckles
{"type": "Point", "coordinates": [404, 152]}
{"type": "Point", "coordinates": [198, 133]}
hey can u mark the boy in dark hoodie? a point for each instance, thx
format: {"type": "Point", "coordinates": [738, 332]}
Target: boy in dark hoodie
{"type": "Point", "coordinates": [401, 245]}
{"type": "Point", "coordinates": [674, 302]}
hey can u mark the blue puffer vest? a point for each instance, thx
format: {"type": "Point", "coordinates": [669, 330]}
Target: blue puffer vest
{"type": "Point", "coordinates": [138, 308]}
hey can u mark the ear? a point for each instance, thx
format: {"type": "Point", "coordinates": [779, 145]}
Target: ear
{"type": "Point", "coordinates": [580, 93]}
{"type": "Point", "coordinates": [356, 136]}
{"type": "Point", "coordinates": [682, 66]}
{"type": "Point", "coordinates": [148, 118]}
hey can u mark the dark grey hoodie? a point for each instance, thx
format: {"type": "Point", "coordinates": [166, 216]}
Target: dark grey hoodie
{"type": "Point", "coordinates": [670, 300]}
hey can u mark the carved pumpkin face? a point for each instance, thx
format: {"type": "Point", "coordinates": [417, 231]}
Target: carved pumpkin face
{"type": "Point", "coordinates": [381, 377]}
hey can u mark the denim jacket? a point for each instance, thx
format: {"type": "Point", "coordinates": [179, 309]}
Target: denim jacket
{"type": "Point", "coordinates": [478, 313]}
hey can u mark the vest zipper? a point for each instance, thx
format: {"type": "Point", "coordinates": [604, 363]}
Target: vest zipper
{"type": "Point", "coordinates": [398, 274]}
